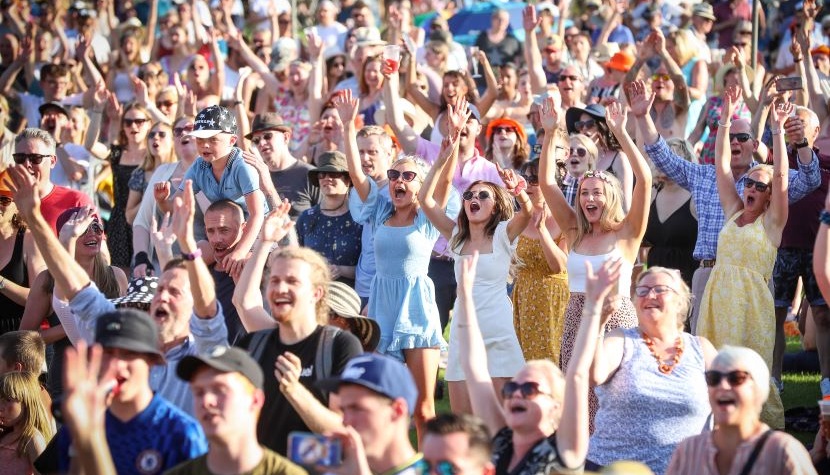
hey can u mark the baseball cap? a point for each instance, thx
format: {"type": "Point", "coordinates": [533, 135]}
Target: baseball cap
{"type": "Point", "coordinates": [53, 105]}
{"type": "Point", "coordinates": [368, 36]}
{"type": "Point", "coordinates": [129, 329]}
{"type": "Point", "coordinates": [214, 120]}
{"type": "Point", "coordinates": [225, 360]}
{"type": "Point", "coordinates": [379, 373]}
{"type": "Point", "coordinates": [267, 121]}
{"type": "Point", "coordinates": [139, 291]}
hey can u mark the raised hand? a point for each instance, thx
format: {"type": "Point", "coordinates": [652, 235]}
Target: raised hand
{"type": "Point", "coordinates": [770, 91]}
{"type": "Point", "coordinates": [183, 212]}
{"type": "Point", "coordinates": [86, 387]}
{"type": "Point", "coordinates": [639, 99]}
{"type": "Point", "coordinates": [287, 370]}
{"type": "Point", "coordinates": [113, 107]}
{"type": "Point", "coordinates": [781, 111]}
{"type": "Point", "coordinates": [731, 96]}
{"type": "Point", "coordinates": [615, 117]}
{"type": "Point", "coordinates": [315, 46]}
{"type": "Point", "coordinates": [530, 20]}
{"type": "Point", "coordinates": [457, 116]}
{"type": "Point", "coordinates": [795, 49]}
{"type": "Point", "coordinates": [25, 191]}
{"type": "Point", "coordinates": [83, 49]}
{"type": "Point", "coordinates": [509, 177]}
{"type": "Point", "coordinates": [346, 106]}
{"type": "Point", "coordinates": [161, 191]}
{"type": "Point", "coordinates": [77, 224]}
{"type": "Point", "coordinates": [162, 235]}
{"type": "Point", "coordinates": [277, 224]}
{"type": "Point", "coordinates": [540, 218]}
{"type": "Point", "coordinates": [736, 57]}
{"type": "Point", "coordinates": [599, 286]}
{"type": "Point", "coordinates": [142, 95]}
{"type": "Point", "coordinates": [549, 115]}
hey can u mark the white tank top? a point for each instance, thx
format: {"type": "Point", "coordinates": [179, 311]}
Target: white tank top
{"type": "Point", "coordinates": [577, 274]}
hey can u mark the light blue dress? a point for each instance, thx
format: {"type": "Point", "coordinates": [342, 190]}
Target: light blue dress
{"type": "Point", "coordinates": [402, 296]}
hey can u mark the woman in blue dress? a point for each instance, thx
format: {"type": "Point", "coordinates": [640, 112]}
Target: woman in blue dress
{"type": "Point", "coordinates": [402, 296]}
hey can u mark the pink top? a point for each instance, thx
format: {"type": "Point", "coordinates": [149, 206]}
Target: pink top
{"type": "Point", "coordinates": [11, 463]}
{"type": "Point", "coordinates": [782, 453]}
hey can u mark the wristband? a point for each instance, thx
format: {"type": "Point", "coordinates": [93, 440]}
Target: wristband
{"type": "Point", "coordinates": [721, 124]}
{"type": "Point", "coordinates": [824, 217]}
{"type": "Point", "coordinates": [776, 131]}
{"type": "Point", "coordinates": [520, 187]}
{"type": "Point", "coordinates": [192, 256]}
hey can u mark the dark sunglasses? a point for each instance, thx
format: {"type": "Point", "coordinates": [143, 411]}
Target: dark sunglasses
{"type": "Point", "coordinates": [531, 180]}
{"type": "Point", "coordinates": [441, 468]}
{"type": "Point", "coordinates": [157, 133]}
{"type": "Point", "coordinates": [5, 201]}
{"type": "Point", "coordinates": [179, 131]}
{"type": "Point", "coordinates": [584, 124]}
{"type": "Point", "coordinates": [95, 227]}
{"type": "Point", "coordinates": [267, 136]}
{"type": "Point", "coordinates": [498, 130]}
{"type": "Point", "coordinates": [563, 77]}
{"type": "Point", "coordinates": [579, 151]}
{"type": "Point", "coordinates": [164, 104]}
{"type": "Point", "coordinates": [758, 185]}
{"type": "Point", "coordinates": [481, 195]}
{"type": "Point", "coordinates": [335, 175]}
{"type": "Point", "coordinates": [406, 176]}
{"type": "Point", "coordinates": [528, 389]}
{"type": "Point", "coordinates": [734, 378]}
{"type": "Point", "coordinates": [660, 77]}
{"type": "Point", "coordinates": [33, 158]}
{"type": "Point", "coordinates": [741, 137]}
{"type": "Point", "coordinates": [130, 122]}
{"type": "Point", "coordinates": [644, 290]}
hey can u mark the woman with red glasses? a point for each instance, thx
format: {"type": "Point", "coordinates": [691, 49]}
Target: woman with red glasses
{"type": "Point", "coordinates": [747, 245]}
{"type": "Point", "coordinates": [740, 442]}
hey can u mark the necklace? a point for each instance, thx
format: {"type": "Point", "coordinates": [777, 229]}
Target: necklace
{"type": "Point", "coordinates": [336, 207]}
{"type": "Point", "coordinates": [662, 366]}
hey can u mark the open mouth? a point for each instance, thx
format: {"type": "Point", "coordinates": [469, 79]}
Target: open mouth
{"type": "Point", "coordinates": [750, 200]}
{"type": "Point", "coordinates": [400, 191]}
{"type": "Point", "coordinates": [281, 302]}
{"type": "Point", "coordinates": [161, 314]}
{"type": "Point", "coordinates": [475, 207]}
{"type": "Point", "coordinates": [726, 402]}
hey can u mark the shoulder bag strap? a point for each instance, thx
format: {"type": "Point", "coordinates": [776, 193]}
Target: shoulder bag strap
{"type": "Point", "coordinates": [755, 452]}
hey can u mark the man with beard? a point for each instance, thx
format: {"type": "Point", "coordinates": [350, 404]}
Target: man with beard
{"type": "Point", "coordinates": [68, 171]}
{"type": "Point", "coordinates": [184, 307]}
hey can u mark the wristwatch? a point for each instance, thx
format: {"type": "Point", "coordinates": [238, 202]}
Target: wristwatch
{"type": "Point", "coordinates": [192, 256]}
{"type": "Point", "coordinates": [801, 143]}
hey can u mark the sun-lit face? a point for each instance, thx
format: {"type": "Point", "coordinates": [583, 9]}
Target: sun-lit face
{"type": "Point", "coordinates": [741, 145]}
{"type": "Point", "coordinates": [172, 305]}
{"type": "Point", "coordinates": [505, 136]}
{"type": "Point", "coordinates": [592, 198]}
{"type": "Point", "coordinates": [41, 171]}
{"type": "Point", "coordinates": [333, 184]}
{"type": "Point", "coordinates": [135, 124]}
{"type": "Point", "coordinates": [732, 404]}
{"type": "Point", "coordinates": [331, 123]}
{"type": "Point", "coordinates": [224, 403]}
{"type": "Point", "coordinates": [578, 160]}
{"type": "Point", "coordinates": [160, 141]}
{"type": "Point", "coordinates": [526, 413]}
{"type": "Point", "coordinates": [452, 449]}
{"type": "Point", "coordinates": [404, 192]}
{"type": "Point", "coordinates": [660, 300]}
{"type": "Point", "coordinates": [224, 229]}
{"type": "Point", "coordinates": [129, 369]}
{"type": "Point", "coordinates": [291, 291]}
{"type": "Point", "coordinates": [453, 86]}
{"type": "Point", "coordinates": [481, 204]}
{"type": "Point", "coordinates": [755, 200]}
{"type": "Point", "coordinates": [372, 75]}
{"type": "Point", "coordinates": [662, 85]}
{"type": "Point", "coordinates": [374, 158]}
{"type": "Point", "coordinates": [216, 147]}
{"type": "Point", "coordinates": [371, 415]}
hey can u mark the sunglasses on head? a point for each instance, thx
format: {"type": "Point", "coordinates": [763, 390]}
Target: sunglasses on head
{"type": "Point", "coordinates": [5, 201]}
{"type": "Point", "coordinates": [33, 158]}
{"type": "Point", "coordinates": [579, 152]}
{"type": "Point", "coordinates": [443, 467]}
{"type": "Point", "coordinates": [758, 185]}
{"type": "Point", "coordinates": [660, 77]}
{"type": "Point", "coordinates": [527, 389]}
{"type": "Point", "coordinates": [179, 131]}
{"type": "Point", "coordinates": [406, 176]}
{"type": "Point", "coordinates": [481, 195]}
{"type": "Point", "coordinates": [498, 130]}
{"type": "Point", "coordinates": [584, 124]}
{"type": "Point", "coordinates": [644, 290]}
{"type": "Point", "coordinates": [139, 122]}
{"type": "Point", "coordinates": [734, 378]}
{"type": "Point", "coordinates": [267, 136]}
{"type": "Point", "coordinates": [531, 180]}
{"type": "Point", "coordinates": [157, 133]}
{"type": "Point", "coordinates": [741, 137]}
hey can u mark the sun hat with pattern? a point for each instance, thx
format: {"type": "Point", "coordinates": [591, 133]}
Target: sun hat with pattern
{"type": "Point", "coordinates": [139, 291]}
{"type": "Point", "coordinates": [345, 302]}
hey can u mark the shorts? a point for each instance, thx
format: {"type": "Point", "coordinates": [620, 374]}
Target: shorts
{"type": "Point", "coordinates": [790, 264]}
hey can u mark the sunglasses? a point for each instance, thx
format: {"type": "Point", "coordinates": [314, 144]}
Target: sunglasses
{"type": "Point", "coordinates": [179, 131]}
{"type": "Point", "coordinates": [644, 290]}
{"type": "Point", "coordinates": [739, 45]}
{"type": "Point", "coordinates": [267, 136]}
{"type": "Point", "coordinates": [742, 137]}
{"type": "Point", "coordinates": [734, 378]}
{"type": "Point", "coordinates": [5, 201]}
{"type": "Point", "coordinates": [551, 50]}
{"type": "Point", "coordinates": [531, 180]}
{"type": "Point", "coordinates": [406, 176]}
{"type": "Point", "coordinates": [528, 389]}
{"type": "Point", "coordinates": [139, 122]}
{"type": "Point", "coordinates": [161, 104]}
{"type": "Point", "coordinates": [660, 77]}
{"type": "Point", "coordinates": [95, 228]}
{"type": "Point", "coordinates": [498, 130]}
{"type": "Point", "coordinates": [758, 185]}
{"type": "Point", "coordinates": [564, 77]}
{"type": "Point", "coordinates": [157, 133]}
{"type": "Point", "coordinates": [481, 195]}
{"type": "Point", "coordinates": [334, 175]}
{"type": "Point", "coordinates": [579, 152]}
{"type": "Point", "coordinates": [33, 158]}
{"type": "Point", "coordinates": [441, 468]}
{"type": "Point", "coordinates": [584, 124]}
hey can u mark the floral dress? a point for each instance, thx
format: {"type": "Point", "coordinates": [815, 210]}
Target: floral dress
{"type": "Point", "coordinates": [337, 238]}
{"type": "Point", "coordinates": [297, 117]}
{"type": "Point", "coordinates": [714, 113]}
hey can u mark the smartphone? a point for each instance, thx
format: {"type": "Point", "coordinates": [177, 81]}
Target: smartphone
{"type": "Point", "coordinates": [307, 449]}
{"type": "Point", "coordinates": [792, 83]}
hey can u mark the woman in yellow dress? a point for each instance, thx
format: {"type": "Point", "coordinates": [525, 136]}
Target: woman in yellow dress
{"type": "Point", "coordinates": [737, 307]}
{"type": "Point", "coordinates": [540, 293]}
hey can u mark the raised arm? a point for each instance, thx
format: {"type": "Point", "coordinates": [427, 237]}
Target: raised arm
{"type": "Point", "coordinates": [483, 398]}
{"type": "Point", "coordinates": [559, 206]}
{"type": "Point", "coordinates": [237, 42]}
{"type": "Point", "coordinates": [516, 186]}
{"type": "Point", "coordinates": [556, 255]}
{"type": "Point", "coordinates": [201, 282]}
{"type": "Point", "coordinates": [491, 93]}
{"type": "Point", "coordinates": [637, 218]}
{"type": "Point", "coordinates": [407, 137]}
{"type": "Point", "coordinates": [317, 76]}
{"type": "Point", "coordinates": [440, 176]}
{"type": "Point", "coordinates": [346, 106]}
{"type": "Point", "coordinates": [533, 57]}
{"type": "Point", "coordinates": [817, 99]}
{"type": "Point", "coordinates": [776, 216]}
{"type": "Point", "coordinates": [729, 199]}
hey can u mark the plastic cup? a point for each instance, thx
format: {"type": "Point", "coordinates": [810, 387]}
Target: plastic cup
{"type": "Point", "coordinates": [392, 57]}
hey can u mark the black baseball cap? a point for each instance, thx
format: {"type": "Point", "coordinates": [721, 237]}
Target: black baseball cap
{"type": "Point", "coordinates": [224, 359]}
{"type": "Point", "coordinates": [214, 120]}
{"type": "Point", "coordinates": [129, 329]}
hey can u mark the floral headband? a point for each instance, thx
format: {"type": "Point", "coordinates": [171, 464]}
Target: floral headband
{"type": "Point", "coordinates": [596, 174]}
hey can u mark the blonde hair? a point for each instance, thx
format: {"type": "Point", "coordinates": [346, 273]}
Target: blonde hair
{"type": "Point", "coordinates": [612, 214]}
{"type": "Point", "coordinates": [320, 274]}
{"type": "Point", "coordinates": [589, 145]}
{"type": "Point", "coordinates": [684, 45]}
{"type": "Point", "coordinates": [679, 286]}
{"type": "Point", "coordinates": [25, 389]}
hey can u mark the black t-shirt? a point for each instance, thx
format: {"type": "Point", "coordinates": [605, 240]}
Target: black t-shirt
{"type": "Point", "coordinates": [224, 294]}
{"type": "Point", "coordinates": [508, 50]}
{"type": "Point", "coordinates": [292, 183]}
{"type": "Point", "coordinates": [278, 417]}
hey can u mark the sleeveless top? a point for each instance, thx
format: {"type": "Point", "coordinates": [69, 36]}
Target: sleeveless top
{"type": "Point", "coordinates": [673, 240]}
{"type": "Point", "coordinates": [577, 274]}
{"type": "Point", "coordinates": [669, 407]}
{"type": "Point", "coordinates": [15, 271]}
{"type": "Point", "coordinates": [610, 168]}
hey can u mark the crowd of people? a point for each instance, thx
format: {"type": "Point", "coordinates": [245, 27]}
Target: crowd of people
{"type": "Point", "coordinates": [248, 237]}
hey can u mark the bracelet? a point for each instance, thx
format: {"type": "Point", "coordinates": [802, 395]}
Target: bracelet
{"type": "Point", "coordinates": [797, 60]}
{"type": "Point", "coordinates": [824, 217]}
{"type": "Point", "coordinates": [192, 256]}
{"type": "Point", "coordinates": [776, 131]}
{"type": "Point", "coordinates": [721, 124]}
{"type": "Point", "coordinates": [2, 283]}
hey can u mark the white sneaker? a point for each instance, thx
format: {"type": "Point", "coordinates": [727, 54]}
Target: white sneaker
{"type": "Point", "coordinates": [825, 387]}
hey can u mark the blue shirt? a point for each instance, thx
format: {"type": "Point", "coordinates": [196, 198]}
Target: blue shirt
{"type": "Point", "coordinates": [157, 439]}
{"type": "Point", "coordinates": [238, 179]}
{"type": "Point", "coordinates": [205, 334]}
{"type": "Point", "coordinates": [700, 181]}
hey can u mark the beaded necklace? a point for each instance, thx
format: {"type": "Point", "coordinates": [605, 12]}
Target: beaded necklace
{"type": "Point", "coordinates": [662, 366]}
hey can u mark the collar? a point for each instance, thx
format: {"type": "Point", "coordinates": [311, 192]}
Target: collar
{"type": "Point", "coordinates": [236, 153]}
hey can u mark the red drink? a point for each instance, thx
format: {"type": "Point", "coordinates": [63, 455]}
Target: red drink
{"type": "Point", "coordinates": [392, 64]}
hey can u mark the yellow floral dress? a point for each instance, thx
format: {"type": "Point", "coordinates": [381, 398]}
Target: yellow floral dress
{"type": "Point", "coordinates": [737, 307]}
{"type": "Point", "coordinates": [539, 301]}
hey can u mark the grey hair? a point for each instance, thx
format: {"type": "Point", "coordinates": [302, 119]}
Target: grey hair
{"type": "Point", "coordinates": [33, 133]}
{"type": "Point", "coordinates": [680, 287]}
{"type": "Point", "coordinates": [814, 122]}
{"type": "Point", "coordinates": [752, 362]}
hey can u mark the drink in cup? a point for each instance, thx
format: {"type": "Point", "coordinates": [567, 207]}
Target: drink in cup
{"type": "Point", "coordinates": [824, 408]}
{"type": "Point", "coordinates": [392, 57]}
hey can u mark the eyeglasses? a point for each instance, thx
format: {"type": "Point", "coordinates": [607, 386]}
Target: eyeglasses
{"type": "Point", "coordinates": [645, 290]}
{"type": "Point", "coordinates": [741, 137]}
{"type": "Point", "coordinates": [5, 201]}
{"type": "Point", "coordinates": [660, 77]}
{"type": "Point", "coordinates": [564, 77]}
{"type": "Point", "coordinates": [734, 378]}
{"type": "Point", "coordinates": [579, 151]}
{"type": "Point", "coordinates": [481, 195]}
{"type": "Point", "coordinates": [759, 185]}
{"type": "Point", "coordinates": [584, 124]}
{"type": "Point", "coordinates": [531, 180]}
{"type": "Point", "coordinates": [161, 104]}
{"type": "Point", "coordinates": [179, 131]}
{"type": "Point", "coordinates": [498, 130]}
{"type": "Point", "coordinates": [406, 176]}
{"type": "Point", "coordinates": [443, 467]}
{"type": "Point", "coordinates": [528, 389]}
{"type": "Point", "coordinates": [139, 122]}
{"type": "Point", "coordinates": [157, 133]}
{"type": "Point", "coordinates": [33, 158]}
{"type": "Point", "coordinates": [267, 136]}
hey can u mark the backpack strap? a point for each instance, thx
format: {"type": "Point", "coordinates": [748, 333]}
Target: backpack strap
{"type": "Point", "coordinates": [257, 345]}
{"type": "Point", "coordinates": [323, 357]}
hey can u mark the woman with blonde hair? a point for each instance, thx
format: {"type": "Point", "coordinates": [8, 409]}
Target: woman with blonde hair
{"type": "Point", "coordinates": [681, 46]}
{"type": "Point", "coordinates": [133, 50]}
{"type": "Point", "coordinates": [159, 151]}
{"type": "Point", "coordinates": [27, 427]}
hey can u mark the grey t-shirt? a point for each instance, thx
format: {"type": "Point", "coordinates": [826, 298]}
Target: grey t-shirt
{"type": "Point", "coordinates": [292, 183]}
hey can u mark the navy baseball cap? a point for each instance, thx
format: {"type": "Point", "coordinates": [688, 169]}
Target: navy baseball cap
{"type": "Point", "coordinates": [379, 373]}
{"type": "Point", "coordinates": [214, 120]}
{"type": "Point", "coordinates": [225, 360]}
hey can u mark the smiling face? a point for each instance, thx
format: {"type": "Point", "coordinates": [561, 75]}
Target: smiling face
{"type": "Point", "coordinates": [225, 404]}
{"type": "Point", "coordinates": [592, 198]}
{"type": "Point", "coordinates": [528, 413]}
{"type": "Point", "coordinates": [42, 171]}
{"type": "Point", "coordinates": [578, 162]}
{"type": "Point", "coordinates": [172, 305]}
{"type": "Point", "coordinates": [291, 290]}
{"type": "Point", "coordinates": [653, 306]}
{"type": "Point", "coordinates": [331, 123]}
{"type": "Point", "coordinates": [662, 85]}
{"type": "Point", "coordinates": [89, 244]}
{"type": "Point", "coordinates": [733, 404]}
{"type": "Point", "coordinates": [372, 76]}
{"type": "Point", "coordinates": [333, 184]}
{"type": "Point", "coordinates": [453, 86]}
